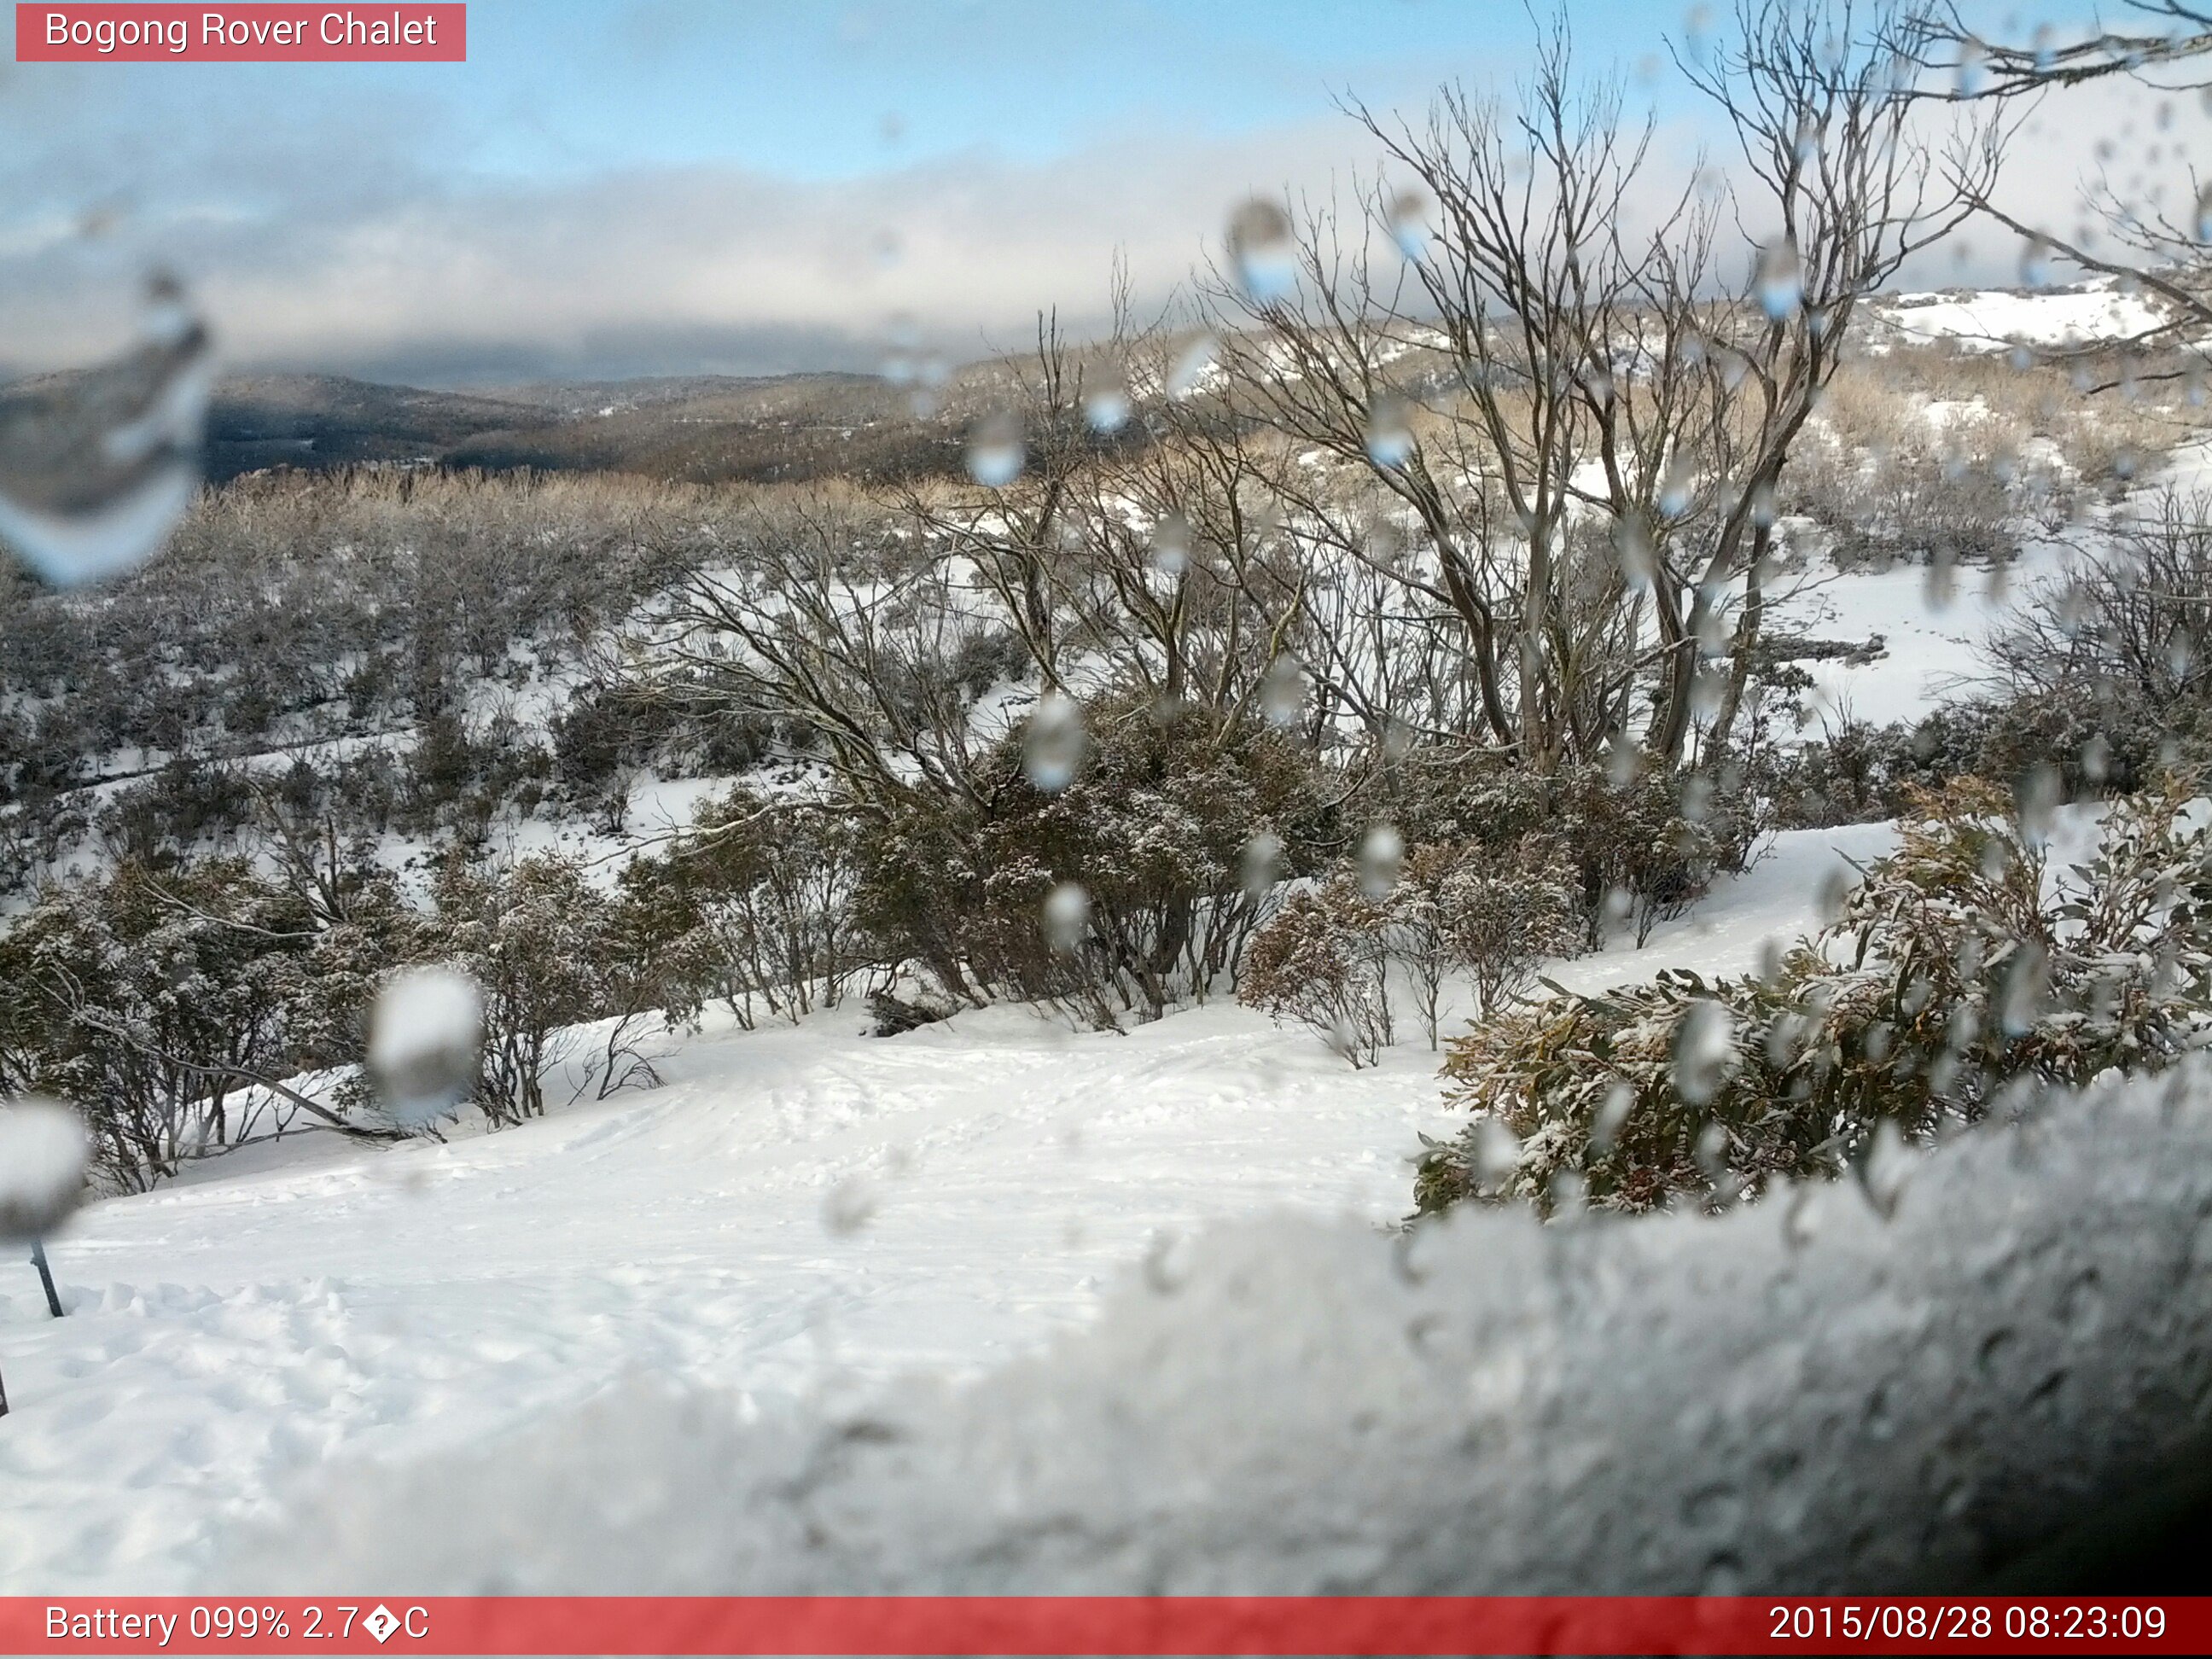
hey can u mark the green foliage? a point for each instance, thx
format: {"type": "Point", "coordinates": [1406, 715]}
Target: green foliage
{"type": "Point", "coordinates": [1960, 965]}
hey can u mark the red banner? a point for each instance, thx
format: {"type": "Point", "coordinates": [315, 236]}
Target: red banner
{"type": "Point", "coordinates": [88, 33]}
{"type": "Point", "coordinates": [1025, 1625]}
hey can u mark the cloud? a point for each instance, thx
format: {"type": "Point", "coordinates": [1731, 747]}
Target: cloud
{"type": "Point", "coordinates": [350, 251]}
{"type": "Point", "coordinates": [694, 268]}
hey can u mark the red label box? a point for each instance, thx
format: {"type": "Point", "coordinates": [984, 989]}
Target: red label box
{"type": "Point", "coordinates": [92, 32]}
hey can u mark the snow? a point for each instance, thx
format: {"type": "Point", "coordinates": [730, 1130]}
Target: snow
{"type": "Point", "coordinates": [1994, 320]}
{"type": "Point", "coordinates": [1916, 1385]}
{"type": "Point", "coordinates": [230, 1336]}
{"type": "Point", "coordinates": [1931, 638]}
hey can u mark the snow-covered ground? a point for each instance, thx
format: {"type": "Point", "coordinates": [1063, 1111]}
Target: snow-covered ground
{"type": "Point", "coordinates": [1992, 319]}
{"type": "Point", "coordinates": [798, 1210]}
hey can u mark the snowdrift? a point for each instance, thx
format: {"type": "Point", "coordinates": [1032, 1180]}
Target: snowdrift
{"type": "Point", "coordinates": [1809, 1393]}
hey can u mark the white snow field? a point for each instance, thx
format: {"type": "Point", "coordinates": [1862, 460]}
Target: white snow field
{"type": "Point", "coordinates": [1993, 319]}
{"type": "Point", "coordinates": [237, 1336]}
{"type": "Point", "coordinates": [1818, 1393]}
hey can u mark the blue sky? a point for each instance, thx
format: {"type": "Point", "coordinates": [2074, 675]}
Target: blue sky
{"type": "Point", "coordinates": [664, 185]}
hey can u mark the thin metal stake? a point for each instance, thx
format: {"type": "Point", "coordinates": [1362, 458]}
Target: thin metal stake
{"type": "Point", "coordinates": [45, 1278]}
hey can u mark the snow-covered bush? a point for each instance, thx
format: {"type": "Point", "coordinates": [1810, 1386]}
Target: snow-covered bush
{"type": "Point", "coordinates": [1492, 913]}
{"type": "Point", "coordinates": [1638, 847]}
{"type": "Point", "coordinates": [165, 1003]}
{"type": "Point", "coordinates": [1154, 828]}
{"type": "Point", "coordinates": [1321, 961]}
{"type": "Point", "coordinates": [760, 895]}
{"type": "Point", "coordinates": [1960, 966]}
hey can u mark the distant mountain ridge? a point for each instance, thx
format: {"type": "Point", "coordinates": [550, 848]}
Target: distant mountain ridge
{"type": "Point", "coordinates": [701, 428]}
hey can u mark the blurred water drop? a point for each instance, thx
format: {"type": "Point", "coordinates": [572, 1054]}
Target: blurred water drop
{"type": "Point", "coordinates": [1778, 279]}
{"type": "Point", "coordinates": [1106, 399]}
{"type": "Point", "coordinates": [1053, 743]}
{"type": "Point", "coordinates": [1883, 1168]}
{"type": "Point", "coordinates": [1942, 586]}
{"type": "Point", "coordinates": [2034, 262]}
{"type": "Point", "coordinates": [1612, 1114]}
{"type": "Point", "coordinates": [1973, 55]}
{"type": "Point", "coordinates": [995, 453]}
{"type": "Point", "coordinates": [1412, 222]}
{"type": "Point", "coordinates": [1381, 852]}
{"type": "Point", "coordinates": [1171, 545]}
{"type": "Point", "coordinates": [1188, 371]}
{"type": "Point", "coordinates": [1703, 1051]}
{"type": "Point", "coordinates": [423, 1038]}
{"type": "Point", "coordinates": [1283, 691]}
{"type": "Point", "coordinates": [2026, 990]}
{"type": "Point", "coordinates": [2036, 796]}
{"type": "Point", "coordinates": [1678, 483]}
{"type": "Point", "coordinates": [1262, 867]}
{"type": "Point", "coordinates": [1496, 1156]}
{"type": "Point", "coordinates": [1763, 505]}
{"type": "Point", "coordinates": [1569, 1190]}
{"type": "Point", "coordinates": [1389, 432]}
{"type": "Point", "coordinates": [1618, 905]}
{"type": "Point", "coordinates": [2204, 214]}
{"type": "Point", "coordinates": [2096, 758]}
{"type": "Point", "coordinates": [1066, 916]}
{"type": "Point", "coordinates": [96, 468]}
{"type": "Point", "coordinates": [43, 1150]}
{"type": "Point", "coordinates": [1712, 1152]}
{"type": "Point", "coordinates": [852, 1203]}
{"type": "Point", "coordinates": [1632, 542]}
{"type": "Point", "coordinates": [1262, 251]}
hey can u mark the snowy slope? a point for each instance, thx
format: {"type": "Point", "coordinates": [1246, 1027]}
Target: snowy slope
{"type": "Point", "coordinates": [231, 1337]}
{"type": "Point", "coordinates": [1992, 319]}
{"type": "Point", "coordinates": [1925, 1384]}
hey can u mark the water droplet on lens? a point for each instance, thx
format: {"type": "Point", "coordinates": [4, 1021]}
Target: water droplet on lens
{"type": "Point", "coordinates": [1412, 214]}
{"type": "Point", "coordinates": [1612, 1114]}
{"type": "Point", "coordinates": [2035, 262]}
{"type": "Point", "coordinates": [1381, 851]}
{"type": "Point", "coordinates": [2035, 802]}
{"type": "Point", "coordinates": [1066, 916]}
{"type": "Point", "coordinates": [1390, 432]}
{"type": "Point", "coordinates": [852, 1204]}
{"type": "Point", "coordinates": [424, 1033]}
{"type": "Point", "coordinates": [1704, 1051]}
{"type": "Point", "coordinates": [1053, 743]}
{"type": "Point", "coordinates": [1106, 399]}
{"type": "Point", "coordinates": [2026, 990]}
{"type": "Point", "coordinates": [97, 467]}
{"type": "Point", "coordinates": [1884, 1167]}
{"type": "Point", "coordinates": [1679, 484]}
{"type": "Point", "coordinates": [1262, 865]}
{"type": "Point", "coordinates": [1778, 279]}
{"type": "Point", "coordinates": [1632, 542]}
{"type": "Point", "coordinates": [1188, 371]}
{"type": "Point", "coordinates": [1283, 691]}
{"type": "Point", "coordinates": [1171, 545]}
{"type": "Point", "coordinates": [43, 1150]}
{"type": "Point", "coordinates": [995, 454]}
{"type": "Point", "coordinates": [1262, 251]}
{"type": "Point", "coordinates": [1496, 1156]}
{"type": "Point", "coordinates": [1972, 54]}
